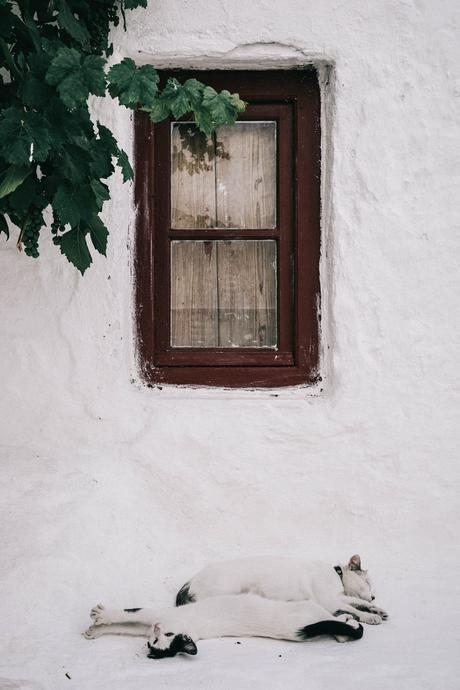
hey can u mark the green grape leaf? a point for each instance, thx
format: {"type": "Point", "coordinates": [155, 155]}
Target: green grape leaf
{"type": "Point", "coordinates": [75, 27]}
{"type": "Point", "coordinates": [93, 73]}
{"type": "Point", "coordinates": [13, 178]}
{"type": "Point", "coordinates": [101, 164]}
{"type": "Point", "coordinates": [203, 120]}
{"type": "Point", "coordinates": [194, 90]}
{"type": "Point", "coordinates": [74, 163]}
{"type": "Point", "coordinates": [76, 77]}
{"type": "Point", "coordinates": [65, 62]}
{"type": "Point", "coordinates": [24, 136]}
{"type": "Point", "coordinates": [98, 233]}
{"type": "Point", "coordinates": [73, 245]}
{"type": "Point", "coordinates": [239, 104]}
{"type": "Point", "coordinates": [132, 4]}
{"type": "Point", "coordinates": [29, 193]}
{"type": "Point", "coordinates": [73, 204]}
{"type": "Point", "coordinates": [66, 204]}
{"type": "Point", "coordinates": [14, 143]}
{"type": "Point", "coordinates": [176, 97]}
{"type": "Point", "coordinates": [220, 106]}
{"type": "Point", "coordinates": [36, 127]}
{"type": "Point", "coordinates": [7, 21]}
{"type": "Point", "coordinates": [125, 166]}
{"type": "Point", "coordinates": [33, 92]}
{"type": "Point", "coordinates": [4, 227]}
{"type": "Point", "coordinates": [158, 111]}
{"type": "Point", "coordinates": [101, 192]}
{"type": "Point", "coordinates": [107, 138]}
{"type": "Point", "coordinates": [133, 85]}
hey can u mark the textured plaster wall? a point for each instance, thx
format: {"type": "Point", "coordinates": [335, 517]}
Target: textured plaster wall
{"type": "Point", "coordinates": [110, 485]}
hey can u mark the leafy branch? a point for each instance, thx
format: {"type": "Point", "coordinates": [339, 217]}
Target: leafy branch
{"type": "Point", "coordinates": [53, 55]}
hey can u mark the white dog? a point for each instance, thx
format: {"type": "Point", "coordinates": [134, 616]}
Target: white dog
{"type": "Point", "coordinates": [338, 589]}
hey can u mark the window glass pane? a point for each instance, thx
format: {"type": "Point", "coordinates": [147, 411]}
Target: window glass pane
{"type": "Point", "coordinates": [227, 180]}
{"type": "Point", "coordinates": [223, 293]}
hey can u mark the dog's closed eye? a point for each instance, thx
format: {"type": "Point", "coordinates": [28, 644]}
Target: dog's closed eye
{"type": "Point", "coordinates": [168, 634]}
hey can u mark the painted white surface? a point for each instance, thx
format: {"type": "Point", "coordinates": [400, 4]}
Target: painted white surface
{"type": "Point", "coordinates": [111, 490]}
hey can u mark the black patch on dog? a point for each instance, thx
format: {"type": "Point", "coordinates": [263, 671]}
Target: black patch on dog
{"type": "Point", "coordinates": [330, 628]}
{"type": "Point", "coordinates": [339, 612]}
{"type": "Point", "coordinates": [181, 643]}
{"type": "Point", "coordinates": [339, 571]}
{"type": "Point", "coordinates": [132, 610]}
{"type": "Point", "coordinates": [183, 595]}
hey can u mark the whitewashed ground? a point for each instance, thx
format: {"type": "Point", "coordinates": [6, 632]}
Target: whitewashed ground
{"type": "Point", "coordinates": [79, 529]}
{"type": "Point", "coordinates": [417, 649]}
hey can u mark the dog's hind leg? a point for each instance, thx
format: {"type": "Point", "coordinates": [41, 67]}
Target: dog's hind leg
{"type": "Point", "coordinates": [100, 615]}
{"type": "Point", "coordinates": [95, 631]}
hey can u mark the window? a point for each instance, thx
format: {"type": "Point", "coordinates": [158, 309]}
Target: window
{"type": "Point", "coordinates": [227, 249]}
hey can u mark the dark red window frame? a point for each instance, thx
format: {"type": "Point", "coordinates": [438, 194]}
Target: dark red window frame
{"type": "Point", "coordinates": [292, 99]}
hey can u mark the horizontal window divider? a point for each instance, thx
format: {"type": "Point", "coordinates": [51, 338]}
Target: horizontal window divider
{"type": "Point", "coordinates": [223, 234]}
{"type": "Point", "coordinates": [224, 357]}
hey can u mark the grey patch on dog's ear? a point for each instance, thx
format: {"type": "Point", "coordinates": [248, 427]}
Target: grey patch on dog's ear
{"type": "Point", "coordinates": [355, 562]}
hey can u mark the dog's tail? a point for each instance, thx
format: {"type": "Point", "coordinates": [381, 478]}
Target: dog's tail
{"type": "Point", "coordinates": [330, 628]}
{"type": "Point", "coordinates": [183, 595]}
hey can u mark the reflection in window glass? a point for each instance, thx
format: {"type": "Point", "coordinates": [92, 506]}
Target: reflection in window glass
{"type": "Point", "coordinates": [227, 180]}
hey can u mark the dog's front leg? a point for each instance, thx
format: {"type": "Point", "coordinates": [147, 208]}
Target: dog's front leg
{"type": "Point", "coordinates": [359, 615]}
{"type": "Point", "coordinates": [363, 605]}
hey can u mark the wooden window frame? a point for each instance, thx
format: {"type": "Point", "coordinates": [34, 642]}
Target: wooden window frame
{"type": "Point", "coordinates": [292, 99]}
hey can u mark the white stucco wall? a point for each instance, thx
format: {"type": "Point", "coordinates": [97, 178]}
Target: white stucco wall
{"type": "Point", "coordinates": [111, 484]}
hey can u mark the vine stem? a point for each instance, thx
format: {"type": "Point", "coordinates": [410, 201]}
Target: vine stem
{"type": "Point", "coordinates": [21, 233]}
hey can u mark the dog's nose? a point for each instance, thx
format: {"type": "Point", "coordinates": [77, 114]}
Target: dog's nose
{"type": "Point", "coordinates": [372, 598]}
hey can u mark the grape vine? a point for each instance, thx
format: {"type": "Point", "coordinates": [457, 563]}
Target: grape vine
{"type": "Point", "coordinates": [53, 55]}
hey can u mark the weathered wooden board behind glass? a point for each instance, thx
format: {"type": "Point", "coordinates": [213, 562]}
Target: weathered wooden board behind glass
{"type": "Point", "coordinates": [224, 181]}
{"type": "Point", "coordinates": [223, 293]}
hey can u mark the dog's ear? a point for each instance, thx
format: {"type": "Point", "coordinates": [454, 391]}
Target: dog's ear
{"type": "Point", "coordinates": [355, 562]}
{"type": "Point", "coordinates": [187, 645]}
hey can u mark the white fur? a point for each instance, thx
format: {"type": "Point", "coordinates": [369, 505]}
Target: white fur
{"type": "Point", "coordinates": [245, 615]}
{"type": "Point", "coordinates": [289, 579]}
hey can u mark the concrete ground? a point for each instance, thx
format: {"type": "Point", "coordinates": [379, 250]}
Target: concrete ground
{"type": "Point", "coordinates": [417, 649]}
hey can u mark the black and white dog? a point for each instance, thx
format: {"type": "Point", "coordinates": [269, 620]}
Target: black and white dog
{"type": "Point", "coordinates": [173, 630]}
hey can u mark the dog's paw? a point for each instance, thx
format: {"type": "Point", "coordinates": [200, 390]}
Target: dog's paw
{"type": "Point", "coordinates": [93, 632]}
{"type": "Point", "coordinates": [371, 619]}
{"type": "Point", "coordinates": [380, 612]}
{"type": "Point", "coordinates": [349, 619]}
{"type": "Point", "coordinates": [99, 615]}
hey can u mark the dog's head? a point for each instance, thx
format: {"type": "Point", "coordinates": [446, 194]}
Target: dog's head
{"type": "Point", "coordinates": [356, 582]}
{"type": "Point", "coordinates": [166, 644]}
